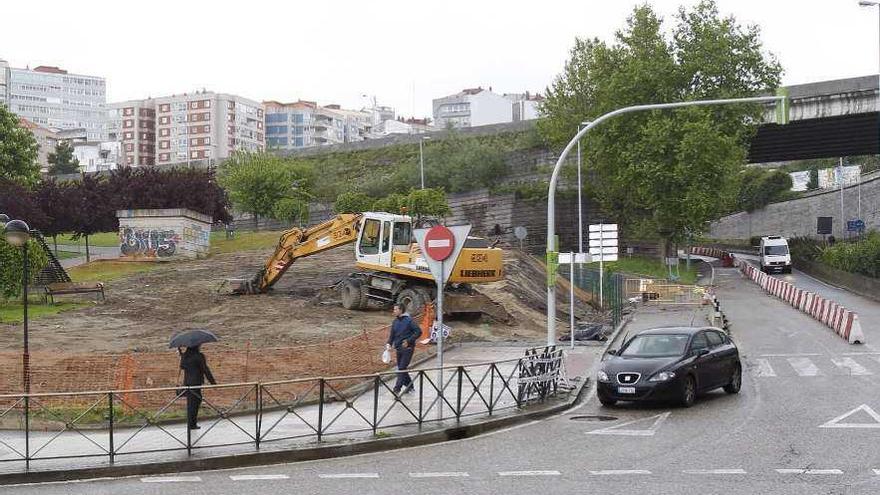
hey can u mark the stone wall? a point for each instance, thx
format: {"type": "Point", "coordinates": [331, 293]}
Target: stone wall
{"type": "Point", "coordinates": [164, 233]}
{"type": "Point", "coordinates": [798, 217]}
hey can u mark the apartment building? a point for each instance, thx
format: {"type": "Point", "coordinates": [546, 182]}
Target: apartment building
{"type": "Point", "coordinates": [53, 98]}
{"type": "Point", "coordinates": [478, 106]}
{"type": "Point", "coordinates": [132, 124]}
{"type": "Point", "coordinates": [302, 124]}
{"type": "Point", "coordinates": [46, 138]}
{"type": "Point", "coordinates": [206, 126]}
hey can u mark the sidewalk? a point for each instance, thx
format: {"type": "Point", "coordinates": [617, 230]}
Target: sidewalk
{"type": "Point", "coordinates": [95, 253]}
{"type": "Point", "coordinates": [349, 419]}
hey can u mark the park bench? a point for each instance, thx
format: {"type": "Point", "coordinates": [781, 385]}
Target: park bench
{"type": "Point", "coordinates": [61, 288]}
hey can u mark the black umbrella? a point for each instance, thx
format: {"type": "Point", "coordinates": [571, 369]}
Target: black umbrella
{"type": "Point", "coordinates": [192, 338]}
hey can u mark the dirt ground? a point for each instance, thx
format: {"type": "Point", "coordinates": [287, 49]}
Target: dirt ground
{"type": "Point", "coordinates": [142, 311]}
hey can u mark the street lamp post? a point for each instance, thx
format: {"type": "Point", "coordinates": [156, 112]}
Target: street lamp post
{"type": "Point", "coordinates": [422, 158]}
{"type": "Point", "coordinates": [552, 255]}
{"type": "Point", "coordinates": [17, 234]}
{"type": "Point", "coordinates": [867, 3]}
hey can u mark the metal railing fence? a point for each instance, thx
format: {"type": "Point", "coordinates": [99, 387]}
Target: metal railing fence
{"type": "Point", "coordinates": [113, 423]}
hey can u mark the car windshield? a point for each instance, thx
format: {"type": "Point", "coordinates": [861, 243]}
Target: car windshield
{"type": "Point", "coordinates": [776, 250]}
{"type": "Point", "coordinates": [656, 345]}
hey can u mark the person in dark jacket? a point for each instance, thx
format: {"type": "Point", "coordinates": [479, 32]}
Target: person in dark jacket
{"type": "Point", "coordinates": [402, 337]}
{"type": "Point", "coordinates": [195, 370]}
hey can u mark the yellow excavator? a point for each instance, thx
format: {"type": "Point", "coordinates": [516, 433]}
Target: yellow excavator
{"type": "Point", "coordinates": [393, 268]}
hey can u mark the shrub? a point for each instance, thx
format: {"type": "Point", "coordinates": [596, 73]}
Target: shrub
{"type": "Point", "coordinates": [10, 266]}
{"type": "Point", "coordinates": [862, 257]}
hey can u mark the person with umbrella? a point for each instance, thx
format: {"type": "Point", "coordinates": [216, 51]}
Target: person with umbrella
{"type": "Point", "coordinates": [195, 369]}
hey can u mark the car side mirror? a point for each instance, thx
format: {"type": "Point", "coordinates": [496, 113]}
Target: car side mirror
{"type": "Point", "coordinates": [613, 352]}
{"type": "Point", "coordinates": [700, 352]}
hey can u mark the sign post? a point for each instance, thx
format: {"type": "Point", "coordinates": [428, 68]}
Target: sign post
{"type": "Point", "coordinates": [441, 246]}
{"type": "Point", "coordinates": [603, 247]}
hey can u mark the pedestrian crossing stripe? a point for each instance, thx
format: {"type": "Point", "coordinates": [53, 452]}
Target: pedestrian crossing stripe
{"type": "Point", "coordinates": [805, 367]}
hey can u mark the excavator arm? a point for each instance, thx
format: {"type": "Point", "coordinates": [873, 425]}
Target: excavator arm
{"type": "Point", "coordinates": [298, 243]}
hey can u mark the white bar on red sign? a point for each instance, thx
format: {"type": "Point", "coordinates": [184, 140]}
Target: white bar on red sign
{"type": "Point", "coordinates": [603, 242]}
{"type": "Point", "coordinates": [437, 243]}
{"type": "Point", "coordinates": [606, 227]}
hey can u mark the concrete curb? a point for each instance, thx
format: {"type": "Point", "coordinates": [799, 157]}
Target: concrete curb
{"type": "Point", "coordinates": [295, 455]}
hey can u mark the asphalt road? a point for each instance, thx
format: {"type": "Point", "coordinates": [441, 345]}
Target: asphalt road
{"type": "Point", "coordinates": [768, 439]}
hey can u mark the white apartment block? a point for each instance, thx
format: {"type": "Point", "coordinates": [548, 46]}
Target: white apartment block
{"type": "Point", "coordinates": [302, 124]}
{"type": "Point", "coordinates": [206, 126]}
{"type": "Point", "coordinates": [55, 99]}
{"type": "Point", "coordinates": [478, 106]}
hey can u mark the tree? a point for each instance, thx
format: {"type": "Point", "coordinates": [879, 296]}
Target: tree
{"type": "Point", "coordinates": [92, 208]}
{"type": "Point", "coordinates": [353, 202]}
{"type": "Point", "coordinates": [11, 263]}
{"type": "Point", "coordinates": [669, 170]}
{"type": "Point", "coordinates": [256, 182]}
{"type": "Point", "coordinates": [18, 151]}
{"type": "Point", "coordinates": [759, 187]}
{"type": "Point", "coordinates": [19, 202]}
{"type": "Point", "coordinates": [62, 161]}
{"type": "Point", "coordinates": [426, 203]}
{"type": "Point", "coordinates": [393, 203]}
{"type": "Point", "coordinates": [813, 183]}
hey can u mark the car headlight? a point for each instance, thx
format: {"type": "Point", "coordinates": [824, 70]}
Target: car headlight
{"type": "Point", "coordinates": [602, 377]}
{"type": "Point", "coordinates": [663, 376]}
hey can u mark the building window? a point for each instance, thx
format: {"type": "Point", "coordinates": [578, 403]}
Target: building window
{"type": "Point", "coordinates": [194, 154]}
{"type": "Point", "coordinates": [273, 118]}
{"type": "Point", "coordinates": [164, 120]}
{"type": "Point", "coordinates": [127, 123]}
{"type": "Point", "coordinates": [165, 108]}
{"type": "Point", "coordinates": [164, 145]}
{"type": "Point", "coordinates": [129, 147]}
{"type": "Point", "coordinates": [164, 132]}
{"type": "Point", "coordinates": [128, 135]}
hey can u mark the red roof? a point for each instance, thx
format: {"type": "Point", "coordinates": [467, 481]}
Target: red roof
{"type": "Point", "coordinates": [50, 69]}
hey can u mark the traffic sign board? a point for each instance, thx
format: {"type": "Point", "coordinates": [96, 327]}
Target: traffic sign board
{"type": "Point", "coordinates": [855, 225]}
{"type": "Point", "coordinates": [603, 227]}
{"type": "Point", "coordinates": [439, 242]}
{"type": "Point", "coordinates": [603, 242]}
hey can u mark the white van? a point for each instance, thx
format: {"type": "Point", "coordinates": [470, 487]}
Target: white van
{"type": "Point", "coordinates": [775, 255]}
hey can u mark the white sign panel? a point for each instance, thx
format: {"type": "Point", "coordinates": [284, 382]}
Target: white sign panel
{"type": "Point", "coordinates": [565, 258]}
{"type": "Point", "coordinates": [603, 235]}
{"type": "Point", "coordinates": [603, 242]}
{"type": "Point", "coordinates": [605, 227]}
{"type": "Point", "coordinates": [606, 258]}
{"type": "Point", "coordinates": [460, 232]}
{"type": "Point", "coordinates": [602, 250]}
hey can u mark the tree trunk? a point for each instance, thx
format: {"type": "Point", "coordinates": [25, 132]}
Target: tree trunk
{"type": "Point", "coordinates": [88, 258]}
{"type": "Point", "coordinates": [55, 242]}
{"type": "Point", "coordinates": [256, 222]}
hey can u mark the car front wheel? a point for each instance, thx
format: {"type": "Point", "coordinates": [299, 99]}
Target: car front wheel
{"type": "Point", "coordinates": [688, 392]}
{"type": "Point", "coordinates": [735, 383]}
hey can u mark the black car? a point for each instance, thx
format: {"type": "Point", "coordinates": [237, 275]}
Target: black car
{"type": "Point", "coordinates": [670, 363]}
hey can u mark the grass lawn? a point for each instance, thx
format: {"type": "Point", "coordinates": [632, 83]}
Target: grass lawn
{"type": "Point", "coordinates": [101, 239]}
{"type": "Point", "coordinates": [652, 268]}
{"type": "Point", "coordinates": [244, 241]}
{"type": "Point", "coordinates": [11, 311]}
{"type": "Point", "coordinates": [104, 271]}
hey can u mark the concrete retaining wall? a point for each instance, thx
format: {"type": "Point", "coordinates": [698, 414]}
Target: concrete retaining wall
{"type": "Point", "coordinates": [798, 217]}
{"type": "Point", "coordinates": [852, 282]}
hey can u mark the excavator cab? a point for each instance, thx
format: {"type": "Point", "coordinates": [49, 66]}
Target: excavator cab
{"type": "Point", "coordinates": [381, 235]}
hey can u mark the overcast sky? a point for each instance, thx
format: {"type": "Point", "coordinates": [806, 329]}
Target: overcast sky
{"type": "Point", "coordinates": [402, 52]}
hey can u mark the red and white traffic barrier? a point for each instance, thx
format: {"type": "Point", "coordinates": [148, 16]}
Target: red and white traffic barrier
{"type": "Point", "coordinates": [843, 321]}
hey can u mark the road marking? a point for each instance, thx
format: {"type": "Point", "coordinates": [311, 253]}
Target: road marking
{"type": "Point", "coordinates": [451, 474]}
{"type": "Point", "coordinates": [855, 369]}
{"type": "Point", "coordinates": [877, 472]}
{"type": "Point", "coordinates": [529, 473]}
{"type": "Point", "coordinates": [349, 475]}
{"type": "Point", "coordinates": [714, 471]}
{"type": "Point", "coordinates": [803, 366]}
{"type": "Point", "coordinates": [255, 477]}
{"type": "Point", "coordinates": [764, 368]}
{"type": "Point", "coordinates": [614, 472]}
{"type": "Point", "coordinates": [797, 354]}
{"type": "Point", "coordinates": [620, 429]}
{"type": "Point", "coordinates": [836, 422]}
{"type": "Point", "coordinates": [873, 355]}
{"type": "Point", "coordinates": [171, 479]}
{"type": "Point", "coordinates": [809, 471]}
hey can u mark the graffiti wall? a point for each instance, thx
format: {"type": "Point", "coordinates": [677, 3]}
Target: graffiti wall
{"type": "Point", "coordinates": [163, 233]}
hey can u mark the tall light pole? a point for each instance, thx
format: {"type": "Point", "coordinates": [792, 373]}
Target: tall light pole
{"type": "Point", "coordinates": [552, 253]}
{"type": "Point", "coordinates": [422, 158]}
{"type": "Point", "coordinates": [17, 234]}
{"type": "Point", "coordinates": [867, 3]}
{"type": "Point", "coordinates": [580, 199]}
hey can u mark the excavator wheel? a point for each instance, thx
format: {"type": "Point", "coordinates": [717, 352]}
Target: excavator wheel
{"type": "Point", "coordinates": [413, 299]}
{"type": "Point", "coordinates": [353, 297]}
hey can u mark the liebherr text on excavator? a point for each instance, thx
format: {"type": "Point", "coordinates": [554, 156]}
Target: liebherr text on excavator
{"type": "Point", "coordinates": [393, 268]}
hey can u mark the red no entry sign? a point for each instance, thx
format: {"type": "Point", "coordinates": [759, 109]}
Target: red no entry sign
{"type": "Point", "coordinates": [439, 243]}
